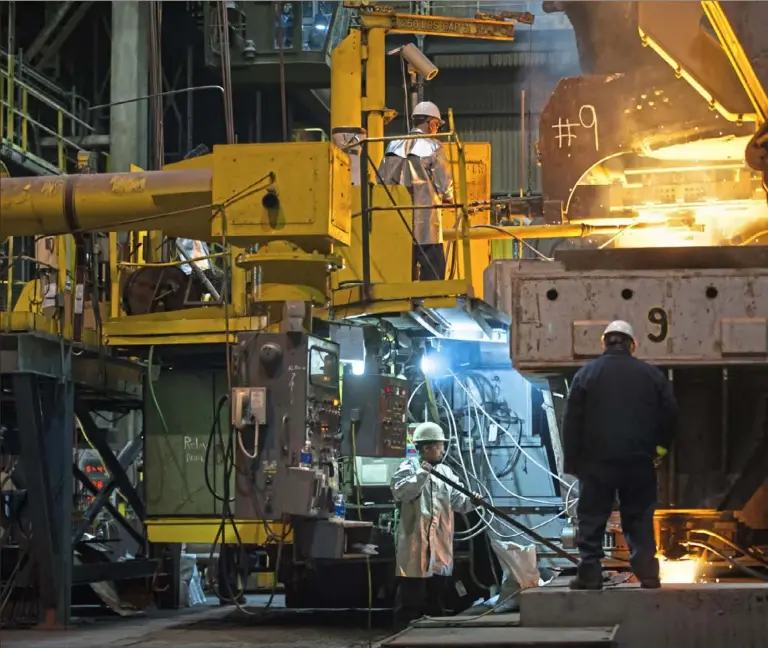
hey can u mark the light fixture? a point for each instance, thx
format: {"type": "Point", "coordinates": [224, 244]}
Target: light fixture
{"type": "Point", "coordinates": [419, 62]}
{"type": "Point", "coordinates": [358, 367]}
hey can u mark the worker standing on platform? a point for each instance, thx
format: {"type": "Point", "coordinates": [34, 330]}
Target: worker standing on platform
{"type": "Point", "coordinates": [421, 165]}
{"type": "Point", "coordinates": [425, 533]}
{"type": "Point", "coordinates": [620, 414]}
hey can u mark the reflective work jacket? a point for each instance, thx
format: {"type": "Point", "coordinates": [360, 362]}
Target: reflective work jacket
{"type": "Point", "coordinates": [420, 165]}
{"type": "Point", "coordinates": [194, 250]}
{"type": "Point", "coordinates": [425, 534]}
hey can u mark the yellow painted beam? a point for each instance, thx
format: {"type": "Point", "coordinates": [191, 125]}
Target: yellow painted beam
{"type": "Point", "coordinates": [498, 30]}
{"type": "Point", "coordinates": [204, 531]}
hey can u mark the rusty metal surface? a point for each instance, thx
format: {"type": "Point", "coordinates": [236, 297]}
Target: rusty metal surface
{"type": "Point", "coordinates": [685, 258]}
{"type": "Point", "coordinates": [715, 317]}
{"type": "Point", "coordinates": [676, 616]}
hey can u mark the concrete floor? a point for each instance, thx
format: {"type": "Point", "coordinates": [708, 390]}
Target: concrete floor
{"type": "Point", "coordinates": [211, 626]}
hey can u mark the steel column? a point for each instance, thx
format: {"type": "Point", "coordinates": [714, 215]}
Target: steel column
{"type": "Point", "coordinates": [45, 416]}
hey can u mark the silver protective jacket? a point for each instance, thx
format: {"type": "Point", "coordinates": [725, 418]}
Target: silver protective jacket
{"type": "Point", "coordinates": [422, 166]}
{"type": "Point", "coordinates": [425, 533]}
{"type": "Point", "coordinates": [194, 250]}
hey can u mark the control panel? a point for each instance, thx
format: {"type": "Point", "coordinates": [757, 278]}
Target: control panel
{"type": "Point", "coordinates": [289, 385]}
{"type": "Point", "coordinates": [375, 416]}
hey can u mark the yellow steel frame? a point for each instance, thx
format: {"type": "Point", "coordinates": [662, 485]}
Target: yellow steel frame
{"type": "Point", "coordinates": [205, 530]}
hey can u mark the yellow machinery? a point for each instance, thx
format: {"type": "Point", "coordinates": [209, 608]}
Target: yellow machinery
{"type": "Point", "coordinates": [304, 233]}
{"type": "Point", "coordinates": [218, 197]}
{"type": "Point", "coordinates": [289, 221]}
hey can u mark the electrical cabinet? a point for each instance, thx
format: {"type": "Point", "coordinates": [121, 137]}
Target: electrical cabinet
{"type": "Point", "coordinates": [288, 384]}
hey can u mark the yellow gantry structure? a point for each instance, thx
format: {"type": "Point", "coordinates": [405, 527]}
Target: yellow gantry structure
{"type": "Point", "coordinates": [288, 214]}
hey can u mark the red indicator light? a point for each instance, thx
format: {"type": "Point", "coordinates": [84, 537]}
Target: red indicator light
{"type": "Point", "coordinates": [387, 390]}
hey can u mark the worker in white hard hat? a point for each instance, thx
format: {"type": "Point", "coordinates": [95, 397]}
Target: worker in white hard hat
{"type": "Point", "coordinates": [620, 414]}
{"type": "Point", "coordinates": [422, 166]}
{"type": "Point", "coordinates": [425, 534]}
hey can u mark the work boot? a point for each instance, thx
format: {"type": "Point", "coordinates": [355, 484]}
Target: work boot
{"type": "Point", "coordinates": [650, 583]}
{"type": "Point", "coordinates": [579, 583]}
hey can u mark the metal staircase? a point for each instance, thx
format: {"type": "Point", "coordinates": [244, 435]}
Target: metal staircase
{"type": "Point", "coordinates": [41, 124]}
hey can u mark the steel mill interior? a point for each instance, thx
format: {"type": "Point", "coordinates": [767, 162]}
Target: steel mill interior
{"type": "Point", "coordinates": [305, 306]}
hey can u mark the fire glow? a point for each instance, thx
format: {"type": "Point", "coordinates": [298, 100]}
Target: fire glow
{"type": "Point", "coordinates": [685, 570]}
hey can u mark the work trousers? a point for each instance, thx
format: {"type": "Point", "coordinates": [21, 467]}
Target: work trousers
{"type": "Point", "coordinates": [635, 484]}
{"type": "Point", "coordinates": [428, 262]}
{"type": "Point", "coordinates": [416, 597]}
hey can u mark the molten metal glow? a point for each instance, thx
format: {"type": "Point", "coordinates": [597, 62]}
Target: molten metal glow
{"type": "Point", "coordinates": [685, 570]}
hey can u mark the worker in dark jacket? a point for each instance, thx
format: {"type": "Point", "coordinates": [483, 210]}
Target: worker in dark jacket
{"type": "Point", "coordinates": [620, 415]}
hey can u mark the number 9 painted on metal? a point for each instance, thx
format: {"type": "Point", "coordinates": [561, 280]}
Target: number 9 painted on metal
{"type": "Point", "coordinates": [658, 317]}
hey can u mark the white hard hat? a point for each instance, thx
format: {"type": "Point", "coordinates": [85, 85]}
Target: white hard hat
{"type": "Point", "coordinates": [428, 109]}
{"type": "Point", "coordinates": [428, 431]}
{"type": "Point", "coordinates": [620, 326]}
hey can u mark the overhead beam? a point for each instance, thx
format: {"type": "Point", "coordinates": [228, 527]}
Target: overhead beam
{"type": "Point", "coordinates": [49, 52]}
{"type": "Point", "coordinates": [46, 32]}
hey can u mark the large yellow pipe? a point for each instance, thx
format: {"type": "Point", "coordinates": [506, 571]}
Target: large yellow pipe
{"type": "Point", "coordinates": [480, 232]}
{"type": "Point", "coordinates": [176, 202]}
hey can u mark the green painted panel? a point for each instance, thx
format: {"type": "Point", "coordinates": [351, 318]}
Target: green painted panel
{"type": "Point", "coordinates": [174, 460]}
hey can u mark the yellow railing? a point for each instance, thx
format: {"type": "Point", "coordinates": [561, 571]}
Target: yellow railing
{"type": "Point", "coordinates": [17, 99]}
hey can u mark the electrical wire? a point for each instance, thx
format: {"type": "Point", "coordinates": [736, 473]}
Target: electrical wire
{"type": "Point", "coordinates": [460, 621]}
{"type": "Point", "coordinates": [358, 488]}
{"type": "Point", "coordinates": [542, 256]}
{"type": "Point", "coordinates": [452, 426]}
{"type": "Point", "coordinates": [215, 427]}
{"type": "Point", "coordinates": [493, 472]}
{"type": "Point", "coordinates": [531, 458]}
{"type": "Point", "coordinates": [166, 430]}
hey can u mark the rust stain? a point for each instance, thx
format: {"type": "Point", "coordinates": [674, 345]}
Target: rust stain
{"type": "Point", "coordinates": [129, 183]}
{"type": "Point", "coordinates": [50, 187]}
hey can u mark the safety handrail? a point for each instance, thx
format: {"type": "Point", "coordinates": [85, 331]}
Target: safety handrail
{"type": "Point", "coordinates": [48, 102]}
{"type": "Point", "coordinates": [462, 204]}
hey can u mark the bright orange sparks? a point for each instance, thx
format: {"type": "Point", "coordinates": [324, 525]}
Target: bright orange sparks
{"type": "Point", "coordinates": [685, 570]}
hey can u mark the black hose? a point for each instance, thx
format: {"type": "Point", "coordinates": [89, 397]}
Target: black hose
{"type": "Point", "coordinates": [216, 426]}
{"type": "Point", "coordinates": [732, 545]}
{"type": "Point", "coordinates": [732, 561]}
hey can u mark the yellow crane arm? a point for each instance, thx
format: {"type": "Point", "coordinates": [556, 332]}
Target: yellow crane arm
{"type": "Point", "coordinates": [176, 202]}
